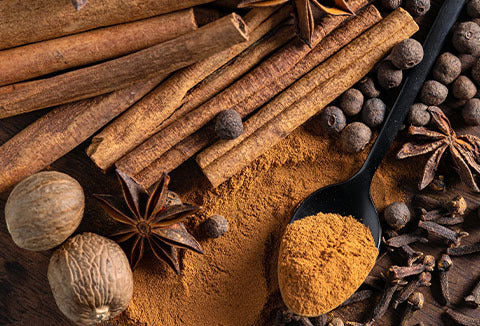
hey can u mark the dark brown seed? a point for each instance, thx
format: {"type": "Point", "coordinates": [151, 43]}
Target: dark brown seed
{"type": "Point", "coordinates": [463, 88]}
{"type": "Point", "coordinates": [467, 61]}
{"type": "Point", "coordinates": [473, 8]}
{"type": "Point", "coordinates": [368, 88]}
{"type": "Point", "coordinates": [442, 232]}
{"type": "Point", "coordinates": [462, 319]}
{"type": "Point", "coordinates": [397, 215]}
{"type": "Point", "coordinates": [400, 272]}
{"type": "Point", "coordinates": [422, 280]}
{"type": "Point", "coordinates": [433, 93]}
{"type": "Point", "coordinates": [215, 227]}
{"type": "Point", "coordinates": [408, 255]}
{"type": "Point", "coordinates": [391, 4]}
{"type": "Point", "coordinates": [415, 302]}
{"type": "Point", "coordinates": [466, 38]}
{"type": "Point", "coordinates": [444, 264]}
{"type": "Point", "coordinates": [228, 124]}
{"type": "Point", "coordinates": [417, 7]}
{"type": "Point", "coordinates": [373, 113]}
{"type": "Point", "coordinates": [418, 115]}
{"type": "Point", "coordinates": [391, 287]}
{"type": "Point", "coordinates": [447, 68]}
{"type": "Point", "coordinates": [471, 112]}
{"type": "Point", "coordinates": [406, 54]}
{"type": "Point", "coordinates": [351, 102]}
{"type": "Point", "coordinates": [332, 120]}
{"type": "Point", "coordinates": [355, 137]}
{"type": "Point", "coordinates": [388, 76]}
{"type": "Point", "coordinates": [464, 250]}
{"type": "Point", "coordinates": [406, 239]}
{"type": "Point", "coordinates": [476, 71]}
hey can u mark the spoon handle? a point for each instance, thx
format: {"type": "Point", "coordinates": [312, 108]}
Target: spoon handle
{"type": "Point", "coordinates": [444, 21]}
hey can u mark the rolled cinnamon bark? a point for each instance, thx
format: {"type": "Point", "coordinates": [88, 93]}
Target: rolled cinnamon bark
{"type": "Point", "coordinates": [33, 60]}
{"type": "Point", "coordinates": [28, 22]}
{"type": "Point", "coordinates": [148, 116]}
{"type": "Point", "coordinates": [119, 73]}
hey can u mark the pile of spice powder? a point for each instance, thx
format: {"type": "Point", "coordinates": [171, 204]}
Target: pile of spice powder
{"type": "Point", "coordinates": [235, 282]}
{"type": "Point", "coordinates": [323, 259]}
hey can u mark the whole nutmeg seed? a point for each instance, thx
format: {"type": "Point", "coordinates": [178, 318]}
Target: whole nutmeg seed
{"type": "Point", "coordinates": [463, 88]}
{"type": "Point", "coordinates": [355, 137]}
{"type": "Point", "coordinates": [388, 75]}
{"type": "Point", "coordinates": [332, 120]}
{"type": "Point", "coordinates": [228, 124]}
{"type": "Point", "coordinates": [417, 7]}
{"type": "Point", "coordinates": [419, 115]}
{"type": "Point", "coordinates": [351, 101]}
{"type": "Point", "coordinates": [397, 215]}
{"type": "Point", "coordinates": [90, 278]}
{"type": "Point", "coordinates": [43, 210]}
{"type": "Point", "coordinates": [215, 226]}
{"type": "Point", "coordinates": [473, 8]}
{"type": "Point", "coordinates": [466, 38]}
{"type": "Point", "coordinates": [406, 54]}
{"type": "Point", "coordinates": [433, 93]}
{"type": "Point", "coordinates": [471, 112]}
{"type": "Point", "coordinates": [368, 88]}
{"type": "Point", "coordinates": [447, 68]}
{"type": "Point", "coordinates": [374, 112]}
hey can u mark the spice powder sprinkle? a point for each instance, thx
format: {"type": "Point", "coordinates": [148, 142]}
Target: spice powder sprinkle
{"type": "Point", "coordinates": [323, 259]}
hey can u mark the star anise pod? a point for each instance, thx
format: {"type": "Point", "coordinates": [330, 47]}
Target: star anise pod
{"type": "Point", "coordinates": [151, 222]}
{"type": "Point", "coordinates": [303, 12]}
{"type": "Point", "coordinates": [464, 149]}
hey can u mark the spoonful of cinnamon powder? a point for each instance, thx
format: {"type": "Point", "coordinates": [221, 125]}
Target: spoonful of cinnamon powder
{"type": "Point", "coordinates": [323, 260]}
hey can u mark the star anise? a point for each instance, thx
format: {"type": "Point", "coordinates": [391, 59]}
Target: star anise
{"type": "Point", "coordinates": [151, 222]}
{"type": "Point", "coordinates": [303, 12]}
{"type": "Point", "coordinates": [464, 149]}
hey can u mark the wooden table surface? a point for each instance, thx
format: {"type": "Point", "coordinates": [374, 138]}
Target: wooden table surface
{"type": "Point", "coordinates": [25, 297]}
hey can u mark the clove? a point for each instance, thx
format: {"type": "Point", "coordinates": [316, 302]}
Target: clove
{"type": "Point", "coordinates": [457, 206]}
{"type": "Point", "coordinates": [321, 320]}
{"type": "Point", "coordinates": [303, 321]}
{"type": "Point", "coordinates": [442, 231]}
{"type": "Point", "coordinates": [357, 297]}
{"type": "Point", "coordinates": [443, 266]}
{"type": "Point", "coordinates": [474, 298]}
{"type": "Point", "coordinates": [391, 286]}
{"type": "Point", "coordinates": [336, 322]}
{"type": "Point", "coordinates": [414, 303]}
{"type": "Point", "coordinates": [409, 255]}
{"type": "Point", "coordinates": [406, 239]}
{"type": "Point", "coordinates": [462, 319]}
{"type": "Point", "coordinates": [438, 184]}
{"type": "Point", "coordinates": [422, 280]}
{"type": "Point", "coordinates": [464, 250]}
{"type": "Point", "coordinates": [400, 272]}
{"type": "Point", "coordinates": [431, 215]}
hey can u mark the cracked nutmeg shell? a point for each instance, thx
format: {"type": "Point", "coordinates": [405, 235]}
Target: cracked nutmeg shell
{"type": "Point", "coordinates": [43, 210]}
{"type": "Point", "coordinates": [90, 278]}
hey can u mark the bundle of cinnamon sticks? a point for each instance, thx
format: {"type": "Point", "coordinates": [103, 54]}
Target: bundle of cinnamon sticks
{"type": "Point", "coordinates": [116, 67]}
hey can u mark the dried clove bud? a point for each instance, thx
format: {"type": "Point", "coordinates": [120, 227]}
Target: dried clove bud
{"type": "Point", "coordinates": [415, 302]}
{"type": "Point", "coordinates": [321, 320]}
{"type": "Point", "coordinates": [303, 321]}
{"type": "Point", "coordinates": [336, 322]}
{"type": "Point", "coordinates": [464, 250]}
{"type": "Point", "coordinates": [357, 297]}
{"type": "Point", "coordinates": [422, 280]}
{"type": "Point", "coordinates": [409, 255]}
{"type": "Point", "coordinates": [457, 206]}
{"type": "Point", "coordinates": [474, 298]}
{"type": "Point", "coordinates": [400, 272]}
{"type": "Point", "coordinates": [462, 319]}
{"type": "Point", "coordinates": [443, 267]}
{"type": "Point", "coordinates": [406, 239]}
{"type": "Point", "coordinates": [442, 232]}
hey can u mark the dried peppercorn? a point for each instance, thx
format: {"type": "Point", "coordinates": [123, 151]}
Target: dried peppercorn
{"type": "Point", "coordinates": [473, 8]}
{"type": "Point", "coordinates": [471, 112]}
{"type": "Point", "coordinates": [388, 76]}
{"type": "Point", "coordinates": [215, 227]}
{"type": "Point", "coordinates": [419, 115]}
{"type": "Point", "coordinates": [406, 54]}
{"type": "Point", "coordinates": [466, 38]}
{"type": "Point", "coordinates": [417, 7]}
{"type": "Point", "coordinates": [467, 61]}
{"type": "Point", "coordinates": [374, 112]}
{"type": "Point", "coordinates": [228, 124]}
{"type": "Point", "coordinates": [447, 68]}
{"type": "Point", "coordinates": [368, 88]}
{"type": "Point", "coordinates": [397, 215]}
{"type": "Point", "coordinates": [463, 88]}
{"type": "Point", "coordinates": [433, 93]}
{"type": "Point", "coordinates": [351, 102]}
{"type": "Point", "coordinates": [355, 137]}
{"type": "Point", "coordinates": [332, 120]}
{"type": "Point", "coordinates": [391, 4]}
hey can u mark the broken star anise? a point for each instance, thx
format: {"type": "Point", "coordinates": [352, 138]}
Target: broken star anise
{"type": "Point", "coordinates": [303, 12]}
{"type": "Point", "coordinates": [464, 149]}
{"type": "Point", "coordinates": [151, 222]}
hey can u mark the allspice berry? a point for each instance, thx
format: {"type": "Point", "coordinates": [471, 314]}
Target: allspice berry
{"type": "Point", "coordinates": [463, 88]}
{"type": "Point", "coordinates": [406, 54]}
{"type": "Point", "coordinates": [351, 102]}
{"type": "Point", "coordinates": [447, 68]}
{"type": "Point", "coordinates": [417, 7]}
{"type": "Point", "coordinates": [228, 124]}
{"type": "Point", "coordinates": [368, 88]}
{"type": "Point", "coordinates": [466, 38]}
{"type": "Point", "coordinates": [374, 112]}
{"type": "Point", "coordinates": [473, 8]}
{"type": "Point", "coordinates": [433, 93]}
{"type": "Point", "coordinates": [355, 137]}
{"type": "Point", "coordinates": [471, 112]}
{"type": "Point", "coordinates": [476, 71]}
{"type": "Point", "coordinates": [43, 210]}
{"type": "Point", "coordinates": [419, 115]}
{"type": "Point", "coordinates": [215, 226]}
{"type": "Point", "coordinates": [397, 215]}
{"type": "Point", "coordinates": [332, 120]}
{"type": "Point", "coordinates": [388, 75]}
{"type": "Point", "coordinates": [467, 61]}
{"type": "Point", "coordinates": [391, 4]}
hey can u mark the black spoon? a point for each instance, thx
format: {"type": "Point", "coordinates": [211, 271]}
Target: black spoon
{"type": "Point", "coordinates": [352, 197]}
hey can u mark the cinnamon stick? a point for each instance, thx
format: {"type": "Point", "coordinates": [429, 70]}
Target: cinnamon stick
{"type": "Point", "coordinates": [23, 22]}
{"type": "Point", "coordinates": [119, 73]}
{"type": "Point", "coordinates": [280, 117]}
{"type": "Point", "coordinates": [272, 68]}
{"type": "Point", "coordinates": [147, 117]}
{"type": "Point", "coordinates": [61, 130]}
{"type": "Point", "coordinates": [30, 61]}
{"type": "Point", "coordinates": [328, 46]}
{"type": "Point", "coordinates": [202, 138]}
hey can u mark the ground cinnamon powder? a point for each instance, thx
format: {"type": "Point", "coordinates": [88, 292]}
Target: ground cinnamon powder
{"type": "Point", "coordinates": [323, 259]}
{"type": "Point", "coordinates": [235, 282]}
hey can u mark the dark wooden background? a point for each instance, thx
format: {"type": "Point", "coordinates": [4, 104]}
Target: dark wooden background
{"type": "Point", "coordinates": [25, 297]}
